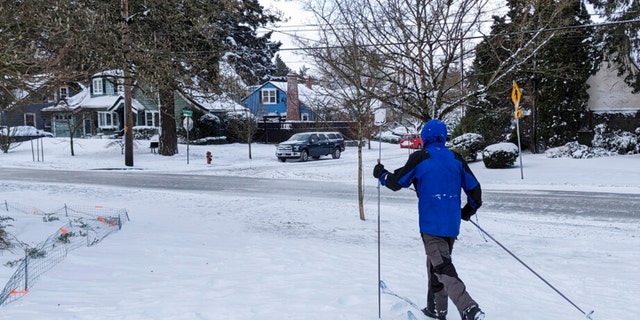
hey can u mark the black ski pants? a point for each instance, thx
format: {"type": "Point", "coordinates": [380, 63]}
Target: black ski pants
{"type": "Point", "coordinates": [443, 280]}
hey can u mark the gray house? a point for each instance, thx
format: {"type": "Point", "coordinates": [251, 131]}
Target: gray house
{"type": "Point", "coordinates": [612, 101]}
{"type": "Point", "coordinates": [98, 109]}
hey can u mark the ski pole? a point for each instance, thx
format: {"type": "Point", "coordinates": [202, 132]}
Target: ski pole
{"type": "Point", "coordinates": [588, 315]}
{"type": "Point", "coordinates": [379, 289]}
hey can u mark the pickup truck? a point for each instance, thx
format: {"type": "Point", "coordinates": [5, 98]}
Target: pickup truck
{"type": "Point", "coordinates": [311, 144]}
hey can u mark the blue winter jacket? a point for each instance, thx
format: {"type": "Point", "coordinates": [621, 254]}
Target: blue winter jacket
{"type": "Point", "coordinates": [438, 176]}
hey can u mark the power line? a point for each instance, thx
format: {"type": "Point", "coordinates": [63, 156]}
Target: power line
{"type": "Point", "coordinates": [469, 38]}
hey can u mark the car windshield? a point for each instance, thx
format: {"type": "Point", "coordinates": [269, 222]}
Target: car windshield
{"type": "Point", "coordinates": [299, 137]}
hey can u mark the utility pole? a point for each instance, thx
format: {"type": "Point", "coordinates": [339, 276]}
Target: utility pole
{"type": "Point", "coordinates": [128, 113]}
{"type": "Point", "coordinates": [534, 113]}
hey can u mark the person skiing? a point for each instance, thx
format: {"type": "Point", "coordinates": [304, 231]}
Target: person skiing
{"type": "Point", "coordinates": [438, 174]}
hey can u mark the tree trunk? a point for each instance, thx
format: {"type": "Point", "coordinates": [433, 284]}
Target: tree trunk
{"type": "Point", "coordinates": [128, 116]}
{"type": "Point", "coordinates": [71, 143]}
{"type": "Point", "coordinates": [360, 183]}
{"type": "Point", "coordinates": [128, 113]}
{"type": "Point", "coordinates": [168, 145]}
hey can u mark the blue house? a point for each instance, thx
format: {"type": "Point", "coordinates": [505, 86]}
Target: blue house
{"type": "Point", "coordinates": [290, 100]}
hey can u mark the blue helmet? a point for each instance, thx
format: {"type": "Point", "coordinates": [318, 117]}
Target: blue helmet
{"type": "Point", "coordinates": [434, 131]}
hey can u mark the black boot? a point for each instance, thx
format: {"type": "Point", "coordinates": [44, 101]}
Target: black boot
{"type": "Point", "coordinates": [473, 312]}
{"type": "Point", "coordinates": [432, 313]}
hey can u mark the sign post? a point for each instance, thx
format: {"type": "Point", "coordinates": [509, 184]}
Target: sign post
{"type": "Point", "coordinates": [187, 124]}
{"type": "Point", "coordinates": [516, 94]}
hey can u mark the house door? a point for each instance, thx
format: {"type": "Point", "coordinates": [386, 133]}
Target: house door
{"type": "Point", "coordinates": [87, 127]}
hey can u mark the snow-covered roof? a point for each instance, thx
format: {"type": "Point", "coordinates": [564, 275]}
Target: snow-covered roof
{"type": "Point", "coordinates": [215, 102]}
{"type": "Point", "coordinates": [111, 73]}
{"type": "Point", "coordinates": [84, 100]}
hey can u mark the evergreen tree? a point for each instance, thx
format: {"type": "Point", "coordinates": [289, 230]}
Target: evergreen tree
{"type": "Point", "coordinates": [281, 68]}
{"type": "Point", "coordinates": [253, 54]}
{"type": "Point", "coordinates": [172, 46]}
{"type": "Point", "coordinates": [553, 81]}
{"type": "Point", "coordinates": [620, 41]}
{"type": "Point", "coordinates": [561, 70]}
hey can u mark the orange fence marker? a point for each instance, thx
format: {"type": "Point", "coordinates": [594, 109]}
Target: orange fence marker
{"type": "Point", "coordinates": [103, 220]}
{"type": "Point", "coordinates": [19, 292]}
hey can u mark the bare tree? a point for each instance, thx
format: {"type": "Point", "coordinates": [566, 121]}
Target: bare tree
{"type": "Point", "coordinates": [423, 45]}
{"type": "Point", "coordinates": [240, 122]}
{"type": "Point", "coordinates": [349, 69]}
{"type": "Point", "coordinates": [243, 125]}
{"type": "Point", "coordinates": [419, 44]}
{"type": "Point", "coordinates": [71, 118]}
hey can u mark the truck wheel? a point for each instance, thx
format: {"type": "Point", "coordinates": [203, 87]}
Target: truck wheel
{"type": "Point", "coordinates": [336, 153]}
{"type": "Point", "coordinates": [304, 156]}
{"type": "Point", "coordinates": [282, 159]}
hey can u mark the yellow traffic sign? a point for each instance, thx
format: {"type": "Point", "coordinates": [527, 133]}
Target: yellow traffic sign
{"type": "Point", "coordinates": [516, 94]}
{"type": "Point", "coordinates": [518, 113]}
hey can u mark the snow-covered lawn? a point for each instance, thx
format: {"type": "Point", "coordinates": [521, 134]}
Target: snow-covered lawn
{"type": "Point", "coordinates": [215, 255]}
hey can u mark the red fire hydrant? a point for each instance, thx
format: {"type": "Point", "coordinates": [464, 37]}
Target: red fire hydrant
{"type": "Point", "coordinates": [208, 157]}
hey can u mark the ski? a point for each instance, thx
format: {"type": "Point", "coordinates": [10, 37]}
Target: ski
{"type": "Point", "coordinates": [385, 289]}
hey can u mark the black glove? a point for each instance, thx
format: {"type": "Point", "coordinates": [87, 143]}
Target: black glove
{"type": "Point", "coordinates": [379, 170]}
{"type": "Point", "coordinates": [467, 212]}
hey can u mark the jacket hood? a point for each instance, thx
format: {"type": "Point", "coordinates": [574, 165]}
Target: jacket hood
{"type": "Point", "coordinates": [434, 131]}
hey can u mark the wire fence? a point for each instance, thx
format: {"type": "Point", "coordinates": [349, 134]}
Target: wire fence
{"type": "Point", "coordinates": [86, 226]}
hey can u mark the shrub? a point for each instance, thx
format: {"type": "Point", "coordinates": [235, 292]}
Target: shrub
{"type": "Point", "coordinates": [144, 133]}
{"type": "Point", "coordinates": [468, 145]}
{"type": "Point", "coordinates": [577, 151]}
{"type": "Point", "coordinates": [4, 241]}
{"type": "Point", "coordinates": [621, 142]}
{"type": "Point", "coordinates": [210, 140]}
{"type": "Point", "coordinates": [500, 155]}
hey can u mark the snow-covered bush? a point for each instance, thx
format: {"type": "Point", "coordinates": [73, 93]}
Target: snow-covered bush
{"type": "Point", "coordinates": [144, 133]}
{"type": "Point", "coordinates": [605, 143]}
{"type": "Point", "coordinates": [468, 145]}
{"type": "Point", "coordinates": [577, 151]}
{"type": "Point", "coordinates": [621, 142]}
{"type": "Point", "coordinates": [500, 155]}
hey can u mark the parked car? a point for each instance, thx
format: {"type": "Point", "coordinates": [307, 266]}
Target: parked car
{"type": "Point", "coordinates": [24, 133]}
{"type": "Point", "coordinates": [311, 144]}
{"type": "Point", "coordinates": [411, 141]}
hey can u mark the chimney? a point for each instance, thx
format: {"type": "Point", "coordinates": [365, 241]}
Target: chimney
{"type": "Point", "coordinates": [293, 101]}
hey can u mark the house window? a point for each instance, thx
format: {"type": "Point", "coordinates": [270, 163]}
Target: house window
{"type": "Point", "coordinates": [120, 87]}
{"type": "Point", "coordinates": [97, 86]}
{"type": "Point", "coordinates": [152, 119]}
{"type": "Point", "coordinates": [106, 120]}
{"type": "Point", "coordinates": [30, 119]}
{"type": "Point", "coordinates": [63, 117]}
{"type": "Point", "coordinates": [63, 93]}
{"type": "Point", "coordinates": [269, 96]}
{"type": "Point", "coordinates": [305, 117]}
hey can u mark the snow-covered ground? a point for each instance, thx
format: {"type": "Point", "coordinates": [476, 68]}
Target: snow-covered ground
{"type": "Point", "coordinates": [216, 255]}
